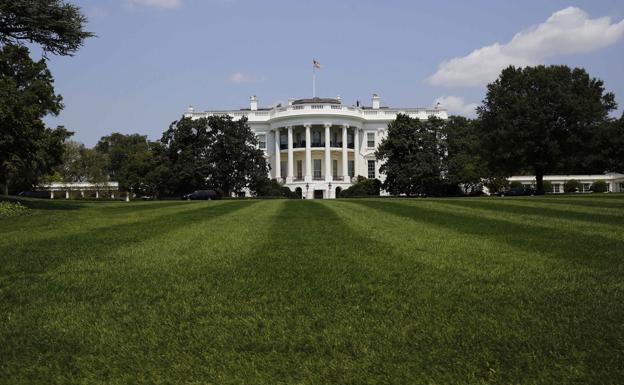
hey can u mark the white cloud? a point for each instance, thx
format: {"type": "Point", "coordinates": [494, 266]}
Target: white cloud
{"type": "Point", "coordinates": [240, 78]}
{"type": "Point", "coordinates": [456, 106]}
{"type": "Point", "coordinates": [157, 3]}
{"type": "Point", "coordinates": [567, 31]}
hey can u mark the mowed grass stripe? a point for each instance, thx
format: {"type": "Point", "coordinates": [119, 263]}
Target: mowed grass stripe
{"type": "Point", "coordinates": [122, 311]}
{"type": "Point", "coordinates": [567, 221]}
{"type": "Point", "coordinates": [517, 317]}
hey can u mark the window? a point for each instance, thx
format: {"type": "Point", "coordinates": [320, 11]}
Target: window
{"type": "Point", "coordinates": [316, 139]}
{"type": "Point", "coordinates": [556, 187]}
{"type": "Point", "coordinates": [317, 168]}
{"type": "Point", "coordinates": [371, 169]}
{"type": "Point", "coordinates": [586, 187]}
{"type": "Point", "coordinates": [299, 169]}
{"type": "Point", "coordinates": [284, 141]}
{"type": "Point", "coordinates": [370, 140]}
{"type": "Point", "coordinates": [335, 167]}
{"type": "Point", "coordinates": [351, 165]}
{"type": "Point", "coordinates": [262, 142]}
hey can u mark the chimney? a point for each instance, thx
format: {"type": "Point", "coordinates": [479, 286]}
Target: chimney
{"type": "Point", "coordinates": [339, 99]}
{"type": "Point", "coordinates": [375, 102]}
{"type": "Point", "coordinates": [290, 102]}
{"type": "Point", "coordinates": [190, 109]}
{"type": "Point", "coordinates": [253, 103]}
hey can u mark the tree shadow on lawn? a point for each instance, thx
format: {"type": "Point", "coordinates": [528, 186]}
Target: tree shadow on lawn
{"type": "Point", "coordinates": [45, 254]}
{"type": "Point", "coordinates": [593, 251]}
{"type": "Point", "coordinates": [516, 207]}
{"type": "Point", "coordinates": [604, 201]}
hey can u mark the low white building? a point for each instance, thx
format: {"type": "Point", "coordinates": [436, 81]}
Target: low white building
{"type": "Point", "coordinates": [81, 189]}
{"type": "Point", "coordinates": [316, 146]}
{"type": "Point", "coordinates": [615, 181]}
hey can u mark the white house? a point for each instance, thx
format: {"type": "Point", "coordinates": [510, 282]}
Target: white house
{"type": "Point", "coordinates": [316, 146]}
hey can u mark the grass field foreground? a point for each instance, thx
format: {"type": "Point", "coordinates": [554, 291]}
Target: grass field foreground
{"type": "Point", "coordinates": [363, 291]}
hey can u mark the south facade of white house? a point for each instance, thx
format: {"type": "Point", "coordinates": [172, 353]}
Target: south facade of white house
{"type": "Point", "coordinates": [317, 146]}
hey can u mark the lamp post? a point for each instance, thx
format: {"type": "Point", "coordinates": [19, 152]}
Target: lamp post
{"type": "Point", "coordinates": [307, 188]}
{"type": "Point", "coordinates": [329, 192]}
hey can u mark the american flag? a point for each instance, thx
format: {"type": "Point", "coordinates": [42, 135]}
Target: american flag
{"type": "Point", "coordinates": [316, 64]}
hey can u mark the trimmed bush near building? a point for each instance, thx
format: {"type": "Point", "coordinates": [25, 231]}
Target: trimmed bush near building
{"type": "Point", "coordinates": [571, 185]}
{"type": "Point", "coordinates": [599, 186]}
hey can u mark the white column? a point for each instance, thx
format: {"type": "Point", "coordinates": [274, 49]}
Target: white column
{"type": "Point", "coordinates": [66, 194]}
{"type": "Point", "coordinates": [356, 150]}
{"type": "Point", "coordinates": [290, 173]}
{"type": "Point", "coordinates": [51, 194]}
{"type": "Point", "coordinates": [345, 154]}
{"type": "Point", "coordinates": [328, 176]}
{"type": "Point", "coordinates": [127, 197]}
{"type": "Point", "coordinates": [97, 194]}
{"type": "Point", "coordinates": [308, 154]}
{"type": "Point", "coordinates": [278, 156]}
{"type": "Point", "coordinates": [82, 193]}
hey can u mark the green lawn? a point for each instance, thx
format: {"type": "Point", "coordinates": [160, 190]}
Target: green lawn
{"type": "Point", "coordinates": [377, 291]}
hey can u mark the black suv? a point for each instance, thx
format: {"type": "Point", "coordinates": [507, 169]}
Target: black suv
{"type": "Point", "coordinates": [201, 195]}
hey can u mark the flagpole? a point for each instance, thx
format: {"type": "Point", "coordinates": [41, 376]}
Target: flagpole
{"type": "Point", "coordinates": [313, 81]}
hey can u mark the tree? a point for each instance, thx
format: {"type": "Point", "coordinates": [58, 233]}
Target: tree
{"type": "Point", "coordinates": [217, 152]}
{"type": "Point", "coordinates": [465, 165]}
{"type": "Point", "coordinates": [82, 164]}
{"type": "Point", "coordinates": [540, 119]}
{"type": "Point", "coordinates": [28, 150]}
{"type": "Point", "coordinates": [54, 24]}
{"type": "Point", "coordinates": [131, 160]}
{"type": "Point", "coordinates": [412, 156]}
{"type": "Point", "coordinates": [607, 153]}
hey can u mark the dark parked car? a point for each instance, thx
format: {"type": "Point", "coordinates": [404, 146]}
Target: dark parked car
{"type": "Point", "coordinates": [516, 192]}
{"type": "Point", "coordinates": [35, 194]}
{"type": "Point", "coordinates": [201, 194]}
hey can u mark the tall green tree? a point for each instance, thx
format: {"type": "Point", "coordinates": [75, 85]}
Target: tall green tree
{"type": "Point", "coordinates": [412, 156]}
{"type": "Point", "coordinates": [217, 152]}
{"type": "Point", "coordinates": [28, 150]}
{"type": "Point", "coordinates": [82, 164]}
{"type": "Point", "coordinates": [465, 165]}
{"type": "Point", "coordinates": [130, 160]}
{"type": "Point", "coordinates": [55, 25]}
{"type": "Point", "coordinates": [541, 119]}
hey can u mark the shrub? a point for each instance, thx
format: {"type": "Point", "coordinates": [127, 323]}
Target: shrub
{"type": "Point", "coordinates": [548, 186]}
{"type": "Point", "coordinates": [571, 185]}
{"type": "Point", "coordinates": [362, 187]}
{"type": "Point", "coordinates": [273, 189]}
{"type": "Point", "coordinates": [599, 186]}
{"type": "Point", "coordinates": [12, 209]}
{"type": "Point", "coordinates": [515, 184]}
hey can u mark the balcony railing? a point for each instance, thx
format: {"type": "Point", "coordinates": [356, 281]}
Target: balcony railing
{"type": "Point", "coordinates": [337, 177]}
{"type": "Point", "coordinates": [298, 178]}
{"type": "Point", "coordinates": [318, 177]}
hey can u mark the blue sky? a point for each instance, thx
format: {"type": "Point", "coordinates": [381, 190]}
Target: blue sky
{"type": "Point", "coordinates": [154, 58]}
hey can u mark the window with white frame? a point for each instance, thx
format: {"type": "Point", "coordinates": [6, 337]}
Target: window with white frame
{"type": "Point", "coordinates": [370, 140]}
{"type": "Point", "coordinates": [317, 168]}
{"type": "Point", "coordinates": [371, 169]}
{"type": "Point", "coordinates": [351, 167]}
{"type": "Point", "coordinates": [262, 142]}
{"type": "Point", "coordinates": [586, 187]}
{"type": "Point", "coordinates": [556, 187]}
